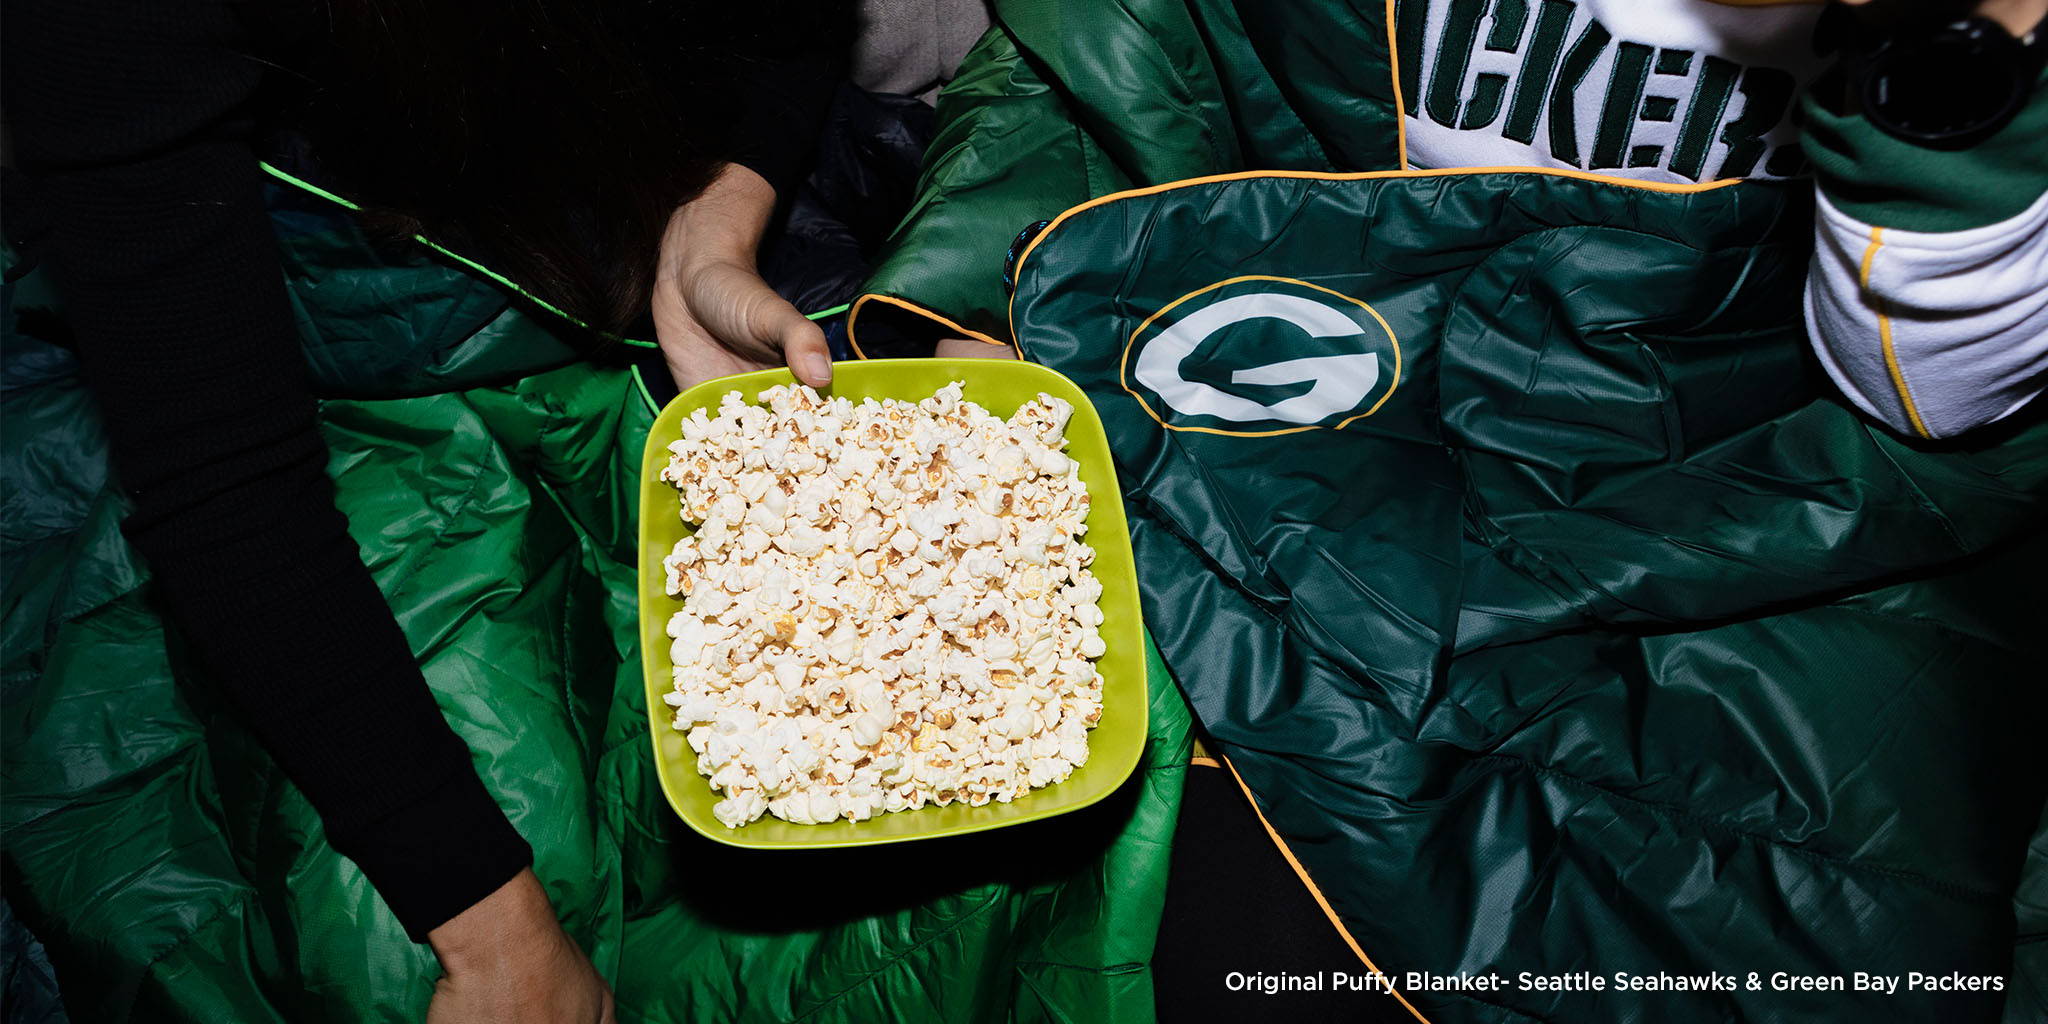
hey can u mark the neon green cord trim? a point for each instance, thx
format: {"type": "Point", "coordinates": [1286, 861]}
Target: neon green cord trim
{"type": "Point", "coordinates": [500, 279]}
{"type": "Point", "coordinates": [640, 381]}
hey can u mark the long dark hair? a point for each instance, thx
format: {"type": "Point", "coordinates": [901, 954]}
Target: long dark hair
{"type": "Point", "coordinates": [547, 140]}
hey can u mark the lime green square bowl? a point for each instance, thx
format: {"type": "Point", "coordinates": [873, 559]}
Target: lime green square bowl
{"type": "Point", "coordinates": [1000, 386]}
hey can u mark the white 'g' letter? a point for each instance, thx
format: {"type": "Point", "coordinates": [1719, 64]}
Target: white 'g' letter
{"type": "Point", "coordinates": [1341, 382]}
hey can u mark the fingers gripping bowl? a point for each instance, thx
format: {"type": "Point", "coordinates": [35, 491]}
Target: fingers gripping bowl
{"type": "Point", "coordinates": [1112, 746]}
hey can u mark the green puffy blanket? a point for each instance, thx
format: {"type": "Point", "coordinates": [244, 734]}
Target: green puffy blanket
{"type": "Point", "coordinates": [491, 480]}
{"type": "Point", "coordinates": [1497, 529]}
{"type": "Point", "coordinates": [1499, 526]}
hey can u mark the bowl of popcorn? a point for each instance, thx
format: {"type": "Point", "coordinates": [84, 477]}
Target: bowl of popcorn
{"type": "Point", "coordinates": [899, 608]}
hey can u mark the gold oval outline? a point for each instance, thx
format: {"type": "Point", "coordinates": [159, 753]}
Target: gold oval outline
{"type": "Point", "coordinates": [1123, 377]}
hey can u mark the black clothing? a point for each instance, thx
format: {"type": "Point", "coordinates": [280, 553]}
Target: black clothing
{"type": "Point", "coordinates": [1234, 905]}
{"type": "Point", "coordinates": [132, 123]}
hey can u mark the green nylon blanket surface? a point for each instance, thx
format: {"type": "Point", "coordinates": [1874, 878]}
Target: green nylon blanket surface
{"type": "Point", "coordinates": [1612, 641]}
{"type": "Point", "coordinates": [1063, 102]}
{"type": "Point", "coordinates": [174, 875]}
{"type": "Point", "coordinates": [1604, 639]}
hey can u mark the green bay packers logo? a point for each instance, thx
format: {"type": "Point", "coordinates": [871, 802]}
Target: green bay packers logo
{"type": "Point", "coordinates": [1255, 356]}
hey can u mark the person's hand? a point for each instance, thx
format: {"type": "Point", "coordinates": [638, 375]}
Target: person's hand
{"type": "Point", "coordinates": [509, 962]}
{"type": "Point", "coordinates": [968, 348]}
{"type": "Point", "coordinates": [713, 314]}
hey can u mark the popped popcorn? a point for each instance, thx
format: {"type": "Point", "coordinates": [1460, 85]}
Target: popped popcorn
{"type": "Point", "coordinates": [886, 604]}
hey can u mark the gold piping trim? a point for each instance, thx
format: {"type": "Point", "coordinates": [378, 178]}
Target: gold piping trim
{"type": "Point", "coordinates": [1681, 188]}
{"type": "Point", "coordinates": [1404, 172]}
{"type": "Point", "coordinates": [1124, 364]}
{"type": "Point", "coordinates": [1401, 128]}
{"type": "Point", "coordinates": [1313, 890]}
{"type": "Point", "coordinates": [854, 313]}
{"type": "Point", "coordinates": [1884, 333]}
{"type": "Point", "coordinates": [1400, 102]}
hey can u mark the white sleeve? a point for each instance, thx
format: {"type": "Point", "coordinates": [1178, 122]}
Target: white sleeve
{"type": "Point", "coordinates": [1933, 333]}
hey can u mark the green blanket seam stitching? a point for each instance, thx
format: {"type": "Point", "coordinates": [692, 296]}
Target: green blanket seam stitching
{"type": "Point", "coordinates": [290, 179]}
{"type": "Point", "coordinates": [898, 960]}
{"type": "Point", "coordinates": [1950, 889]}
{"type": "Point", "coordinates": [243, 895]}
{"type": "Point", "coordinates": [456, 512]}
{"type": "Point", "coordinates": [1110, 969]}
{"type": "Point", "coordinates": [1172, 530]}
{"type": "Point", "coordinates": [472, 265]}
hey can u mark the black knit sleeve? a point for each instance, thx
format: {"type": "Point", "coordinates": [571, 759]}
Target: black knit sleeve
{"type": "Point", "coordinates": [129, 120]}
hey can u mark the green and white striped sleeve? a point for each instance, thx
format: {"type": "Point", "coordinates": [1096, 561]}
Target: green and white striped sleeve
{"type": "Point", "coordinates": [1927, 300]}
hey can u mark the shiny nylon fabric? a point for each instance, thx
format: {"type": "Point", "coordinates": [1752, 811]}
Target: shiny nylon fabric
{"type": "Point", "coordinates": [1612, 641]}
{"type": "Point", "coordinates": [1062, 102]}
{"type": "Point", "coordinates": [175, 875]}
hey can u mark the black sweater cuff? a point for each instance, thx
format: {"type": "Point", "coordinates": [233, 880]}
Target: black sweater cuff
{"type": "Point", "coordinates": [437, 856]}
